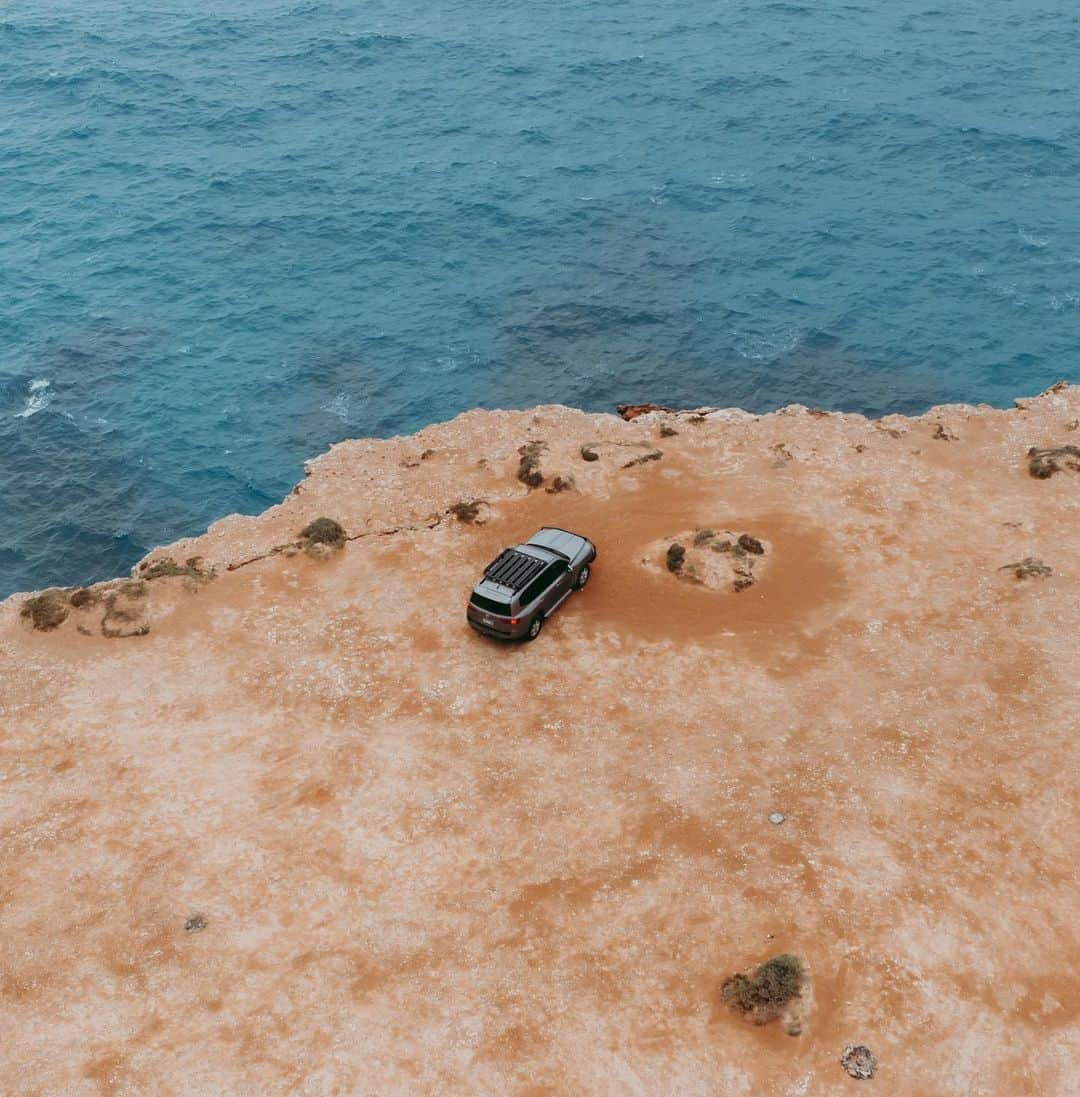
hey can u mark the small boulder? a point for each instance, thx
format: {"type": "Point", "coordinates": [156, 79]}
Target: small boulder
{"type": "Point", "coordinates": [858, 1060]}
{"type": "Point", "coordinates": [751, 545]}
{"type": "Point", "coordinates": [632, 411]}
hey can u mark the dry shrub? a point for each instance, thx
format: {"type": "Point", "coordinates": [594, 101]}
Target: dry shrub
{"type": "Point", "coordinates": [467, 510]}
{"type": "Point", "coordinates": [167, 568]}
{"type": "Point", "coordinates": [83, 597]}
{"type": "Point", "coordinates": [652, 455]}
{"type": "Point", "coordinates": [529, 466]}
{"type": "Point", "coordinates": [46, 611]}
{"type": "Point", "coordinates": [1028, 568]}
{"type": "Point", "coordinates": [1044, 462]}
{"type": "Point", "coordinates": [323, 531]}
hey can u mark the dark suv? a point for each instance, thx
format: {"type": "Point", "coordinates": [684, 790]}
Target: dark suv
{"type": "Point", "coordinates": [524, 585]}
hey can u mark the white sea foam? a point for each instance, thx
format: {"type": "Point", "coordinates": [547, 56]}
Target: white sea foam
{"type": "Point", "coordinates": [1032, 240]}
{"type": "Point", "coordinates": [40, 397]}
{"type": "Point", "coordinates": [340, 405]}
{"type": "Point", "coordinates": [768, 346]}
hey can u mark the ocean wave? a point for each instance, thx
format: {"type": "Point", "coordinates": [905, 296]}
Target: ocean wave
{"type": "Point", "coordinates": [40, 396]}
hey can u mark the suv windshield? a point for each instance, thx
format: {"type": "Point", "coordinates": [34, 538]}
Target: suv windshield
{"type": "Point", "coordinates": [501, 608]}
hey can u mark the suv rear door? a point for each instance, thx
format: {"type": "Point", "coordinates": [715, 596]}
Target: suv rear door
{"type": "Point", "coordinates": [547, 588]}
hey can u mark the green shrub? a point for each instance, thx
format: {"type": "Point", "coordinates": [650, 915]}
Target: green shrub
{"type": "Point", "coordinates": [776, 983]}
{"type": "Point", "coordinates": [676, 555]}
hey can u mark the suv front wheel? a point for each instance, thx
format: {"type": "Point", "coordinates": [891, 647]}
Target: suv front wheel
{"type": "Point", "coordinates": [583, 577]}
{"type": "Point", "coordinates": [535, 626]}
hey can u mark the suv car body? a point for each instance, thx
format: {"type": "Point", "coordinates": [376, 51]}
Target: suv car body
{"type": "Point", "coordinates": [524, 585]}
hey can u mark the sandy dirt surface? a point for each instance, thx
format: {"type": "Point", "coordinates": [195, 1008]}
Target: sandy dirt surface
{"type": "Point", "coordinates": [280, 824]}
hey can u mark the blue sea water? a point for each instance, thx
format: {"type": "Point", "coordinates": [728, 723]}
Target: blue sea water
{"type": "Point", "coordinates": [233, 233]}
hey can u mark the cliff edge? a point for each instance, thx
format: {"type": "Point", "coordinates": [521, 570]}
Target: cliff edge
{"type": "Point", "coordinates": [274, 821]}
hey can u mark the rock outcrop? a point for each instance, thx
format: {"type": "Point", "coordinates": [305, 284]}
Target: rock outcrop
{"type": "Point", "coordinates": [275, 821]}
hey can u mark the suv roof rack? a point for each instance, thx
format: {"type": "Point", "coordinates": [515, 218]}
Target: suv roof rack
{"type": "Point", "coordinates": [514, 569]}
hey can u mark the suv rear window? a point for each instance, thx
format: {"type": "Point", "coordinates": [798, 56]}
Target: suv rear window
{"type": "Point", "coordinates": [501, 608]}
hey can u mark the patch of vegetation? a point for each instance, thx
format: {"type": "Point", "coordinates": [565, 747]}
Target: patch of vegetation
{"type": "Point", "coordinates": [529, 466]}
{"type": "Point", "coordinates": [323, 531]}
{"type": "Point", "coordinates": [46, 611]}
{"type": "Point", "coordinates": [697, 420]}
{"type": "Point", "coordinates": [1029, 568]}
{"type": "Point", "coordinates": [122, 617]}
{"type": "Point", "coordinates": [83, 597]}
{"type": "Point", "coordinates": [652, 455]}
{"type": "Point", "coordinates": [167, 568]}
{"type": "Point", "coordinates": [467, 510]}
{"type": "Point", "coordinates": [774, 985]}
{"type": "Point", "coordinates": [1044, 462]}
{"type": "Point", "coordinates": [667, 431]}
{"type": "Point", "coordinates": [676, 556]}
{"type": "Point", "coordinates": [703, 537]}
{"type": "Point", "coordinates": [588, 452]}
{"type": "Point", "coordinates": [562, 483]}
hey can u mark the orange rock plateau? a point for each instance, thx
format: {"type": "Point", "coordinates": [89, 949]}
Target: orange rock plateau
{"type": "Point", "coordinates": [274, 821]}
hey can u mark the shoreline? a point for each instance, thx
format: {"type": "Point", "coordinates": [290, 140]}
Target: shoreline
{"type": "Point", "coordinates": [624, 412]}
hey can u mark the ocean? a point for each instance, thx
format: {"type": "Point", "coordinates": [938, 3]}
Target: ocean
{"type": "Point", "coordinates": [232, 234]}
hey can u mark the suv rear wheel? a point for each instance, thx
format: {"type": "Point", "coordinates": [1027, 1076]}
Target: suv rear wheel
{"type": "Point", "coordinates": [535, 626]}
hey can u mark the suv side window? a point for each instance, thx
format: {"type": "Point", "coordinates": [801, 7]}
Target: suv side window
{"type": "Point", "coordinates": [542, 582]}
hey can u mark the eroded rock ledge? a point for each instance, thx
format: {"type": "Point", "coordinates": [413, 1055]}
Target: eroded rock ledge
{"type": "Point", "coordinates": [275, 821]}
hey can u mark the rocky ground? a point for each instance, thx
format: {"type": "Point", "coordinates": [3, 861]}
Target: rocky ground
{"type": "Point", "coordinates": [274, 821]}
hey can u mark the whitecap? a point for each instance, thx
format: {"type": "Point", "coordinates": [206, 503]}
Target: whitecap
{"type": "Point", "coordinates": [1032, 240]}
{"type": "Point", "coordinates": [730, 179]}
{"type": "Point", "coordinates": [40, 397]}
{"type": "Point", "coordinates": [769, 346]}
{"type": "Point", "coordinates": [339, 406]}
